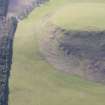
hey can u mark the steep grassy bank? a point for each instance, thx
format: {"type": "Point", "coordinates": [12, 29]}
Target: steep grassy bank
{"type": "Point", "coordinates": [34, 81]}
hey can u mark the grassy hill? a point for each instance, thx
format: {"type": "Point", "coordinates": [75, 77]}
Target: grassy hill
{"type": "Point", "coordinates": [81, 15]}
{"type": "Point", "coordinates": [35, 82]}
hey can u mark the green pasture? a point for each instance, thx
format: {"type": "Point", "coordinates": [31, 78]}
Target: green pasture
{"type": "Point", "coordinates": [35, 82]}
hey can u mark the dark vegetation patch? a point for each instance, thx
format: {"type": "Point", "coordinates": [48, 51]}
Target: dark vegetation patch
{"type": "Point", "coordinates": [7, 30]}
{"type": "Point", "coordinates": [77, 52]}
{"type": "Point", "coordinates": [86, 46]}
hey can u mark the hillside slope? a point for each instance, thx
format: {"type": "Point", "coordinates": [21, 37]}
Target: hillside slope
{"type": "Point", "coordinates": [33, 80]}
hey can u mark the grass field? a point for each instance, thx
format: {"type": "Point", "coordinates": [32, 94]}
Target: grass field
{"type": "Point", "coordinates": [33, 81]}
{"type": "Point", "coordinates": [80, 16]}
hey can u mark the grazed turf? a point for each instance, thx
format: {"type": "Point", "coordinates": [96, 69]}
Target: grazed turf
{"type": "Point", "coordinates": [80, 16]}
{"type": "Point", "coordinates": [34, 81]}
